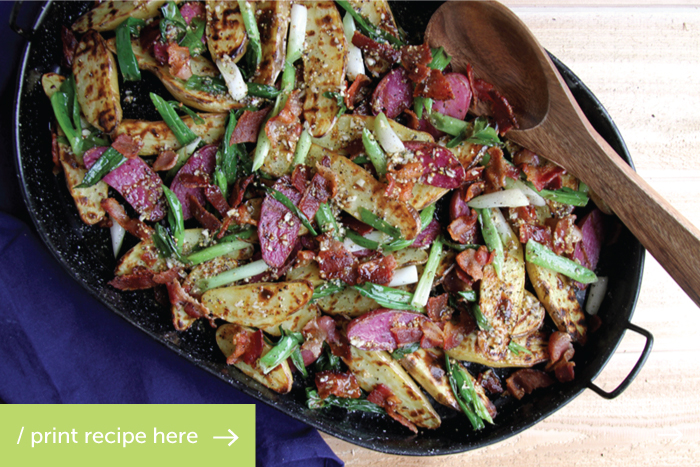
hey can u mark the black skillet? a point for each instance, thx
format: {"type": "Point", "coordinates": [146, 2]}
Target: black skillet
{"type": "Point", "coordinates": [85, 253]}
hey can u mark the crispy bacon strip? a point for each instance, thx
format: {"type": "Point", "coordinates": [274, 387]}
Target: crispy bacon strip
{"type": "Point", "coordinates": [377, 271]}
{"type": "Point", "coordinates": [179, 297]}
{"type": "Point", "coordinates": [489, 381]}
{"type": "Point", "coordinates": [501, 109]}
{"type": "Point", "coordinates": [142, 278]}
{"type": "Point", "coordinates": [204, 217]}
{"type": "Point", "coordinates": [285, 126]}
{"type": "Point", "coordinates": [464, 229]}
{"type": "Point", "coordinates": [236, 197]}
{"type": "Point", "coordinates": [498, 169]}
{"type": "Point", "coordinates": [383, 397]}
{"type": "Point", "coordinates": [358, 91]}
{"type": "Point", "coordinates": [339, 384]}
{"type": "Point", "coordinates": [437, 308]}
{"type": "Point", "coordinates": [179, 61]}
{"type": "Point", "coordinates": [544, 176]}
{"type": "Point", "coordinates": [378, 51]}
{"type": "Point", "coordinates": [402, 179]}
{"type": "Point", "coordinates": [216, 199]}
{"type": "Point", "coordinates": [336, 262]}
{"type": "Point", "coordinates": [134, 226]}
{"type": "Point", "coordinates": [127, 146]}
{"type": "Point", "coordinates": [248, 126]}
{"type": "Point", "coordinates": [247, 346]}
{"type": "Point", "coordinates": [415, 59]}
{"type": "Point", "coordinates": [473, 261]}
{"type": "Point", "coordinates": [166, 160]}
{"type": "Point", "coordinates": [527, 380]}
{"type": "Point", "coordinates": [316, 332]}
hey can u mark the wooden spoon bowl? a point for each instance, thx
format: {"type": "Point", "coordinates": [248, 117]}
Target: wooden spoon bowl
{"type": "Point", "coordinates": [503, 51]}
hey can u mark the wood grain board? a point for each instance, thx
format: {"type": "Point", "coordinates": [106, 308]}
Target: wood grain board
{"type": "Point", "coordinates": [642, 60]}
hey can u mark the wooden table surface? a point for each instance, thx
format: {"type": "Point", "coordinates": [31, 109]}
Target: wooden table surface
{"type": "Point", "coordinates": [642, 60]}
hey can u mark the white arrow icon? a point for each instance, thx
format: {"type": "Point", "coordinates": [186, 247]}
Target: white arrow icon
{"type": "Point", "coordinates": [233, 437]}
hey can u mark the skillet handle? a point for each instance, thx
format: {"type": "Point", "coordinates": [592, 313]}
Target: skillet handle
{"type": "Point", "coordinates": [27, 34]}
{"type": "Point", "coordinates": [633, 374]}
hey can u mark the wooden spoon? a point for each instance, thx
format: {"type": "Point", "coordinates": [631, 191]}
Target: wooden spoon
{"type": "Point", "coordinates": [503, 52]}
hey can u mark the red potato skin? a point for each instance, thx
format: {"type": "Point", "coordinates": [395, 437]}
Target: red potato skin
{"type": "Point", "coordinates": [440, 166]}
{"type": "Point", "coordinates": [202, 162]}
{"type": "Point", "coordinates": [278, 228]}
{"type": "Point", "coordinates": [393, 94]}
{"type": "Point", "coordinates": [372, 331]}
{"type": "Point", "coordinates": [587, 251]}
{"type": "Point", "coordinates": [456, 107]}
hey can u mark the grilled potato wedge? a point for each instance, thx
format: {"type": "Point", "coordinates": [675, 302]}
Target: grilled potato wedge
{"type": "Point", "coordinates": [296, 320]}
{"type": "Point", "coordinates": [308, 273]}
{"type": "Point", "coordinates": [279, 379]}
{"type": "Point", "coordinates": [157, 137]}
{"type": "Point", "coordinates": [146, 255]}
{"type": "Point", "coordinates": [96, 82]}
{"type": "Point", "coordinates": [51, 82]}
{"type": "Point", "coordinates": [427, 368]}
{"type": "Point", "coordinates": [347, 302]}
{"type": "Point", "coordinates": [536, 343]}
{"type": "Point", "coordinates": [201, 66]}
{"type": "Point", "coordinates": [87, 200]}
{"type": "Point", "coordinates": [357, 189]}
{"type": "Point", "coordinates": [273, 22]}
{"type": "Point", "coordinates": [108, 15]}
{"type": "Point", "coordinates": [324, 65]}
{"type": "Point", "coordinates": [379, 14]}
{"type": "Point", "coordinates": [258, 305]}
{"type": "Point", "coordinates": [410, 257]}
{"type": "Point", "coordinates": [373, 368]}
{"type": "Point", "coordinates": [226, 35]}
{"type": "Point", "coordinates": [529, 317]}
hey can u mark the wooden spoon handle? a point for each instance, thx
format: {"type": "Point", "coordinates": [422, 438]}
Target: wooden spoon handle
{"type": "Point", "coordinates": [664, 232]}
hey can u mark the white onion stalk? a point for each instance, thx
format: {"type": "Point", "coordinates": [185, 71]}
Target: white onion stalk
{"type": "Point", "coordinates": [297, 33]}
{"type": "Point", "coordinates": [512, 198]}
{"type": "Point", "coordinates": [596, 295]}
{"type": "Point", "coordinates": [233, 78]}
{"type": "Point", "coordinates": [502, 227]}
{"type": "Point", "coordinates": [534, 198]}
{"type": "Point", "coordinates": [233, 275]}
{"type": "Point", "coordinates": [375, 236]}
{"type": "Point", "coordinates": [117, 232]}
{"type": "Point", "coordinates": [404, 276]}
{"type": "Point", "coordinates": [390, 141]}
{"type": "Point", "coordinates": [356, 65]}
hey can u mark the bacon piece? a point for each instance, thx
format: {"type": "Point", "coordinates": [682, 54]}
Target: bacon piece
{"type": "Point", "coordinates": [238, 192]}
{"type": "Point", "coordinates": [69, 43]}
{"type": "Point", "coordinates": [55, 152]}
{"type": "Point", "coordinates": [527, 380]}
{"type": "Point", "coordinates": [489, 381]}
{"type": "Point", "coordinates": [400, 182]}
{"type": "Point", "coordinates": [202, 164]}
{"type": "Point", "coordinates": [247, 346]}
{"type": "Point", "coordinates": [336, 262]}
{"type": "Point", "coordinates": [203, 216]}
{"type": "Point", "coordinates": [191, 10]}
{"type": "Point", "coordinates": [525, 156]}
{"type": "Point", "coordinates": [428, 235]}
{"type": "Point", "coordinates": [166, 160]}
{"type": "Point", "coordinates": [453, 283]}
{"type": "Point", "coordinates": [216, 199]}
{"type": "Point", "coordinates": [437, 308]}
{"type": "Point", "coordinates": [538, 233]}
{"type": "Point", "coordinates": [561, 351]}
{"type": "Point", "coordinates": [563, 237]}
{"type": "Point", "coordinates": [329, 175]}
{"type": "Point", "coordinates": [544, 176]}
{"type": "Point", "coordinates": [498, 169]}
{"type": "Point", "coordinates": [415, 60]}
{"type": "Point", "coordinates": [179, 61]}
{"type": "Point", "coordinates": [501, 109]}
{"type": "Point", "coordinates": [358, 91]}
{"type": "Point", "coordinates": [316, 193]}
{"type": "Point", "coordinates": [301, 177]}
{"type": "Point", "coordinates": [383, 397]}
{"type": "Point", "coordinates": [458, 206]}
{"type": "Point", "coordinates": [432, 335]}
{"type": "Point", "coordinates": [464, 229]}
{"type": "Point", "coordinates": [474, 190]}
{"type": "Point", "coordinates": [285, 126]}
{"type": "Point", "coordinates": [473, 261]}
{"type": "Point", "coordinates": [338, 384]}
{"type": "Point", "coordinates": [178, 297]}
{"type": "Point", "coordinates": [456, 331]}
{"type": "Point", "coordinates": [143, 278]}
{"type": "Point", "coordinates": [559, 343]}
{"type": "Point", "coordinates": [248, 126]}
{"type": "Point", "coordinates": [194, 180]}
{"type": "Point", "coordinates": [435, 86]}
{"type": "Point", "coordinates": [384, 54]}
{"type": "Point", "coordinates": [317, 331]}
{"type": "Point", "coordinates": [126, 146]}
{"type": "Point", "coordinates": [160, 52]}
{"type": "Point", "coordinates": [378, 271]}
{"type": "Point", "coordinates": [356, 225]}
{"type": "Point", "coordinates": [134, 226]}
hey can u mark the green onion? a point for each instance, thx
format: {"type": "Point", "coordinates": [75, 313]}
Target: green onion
{"type": "Point", "coordinates": [396, 245]}
{"type": "Point", "coordinates": [371, 219]}
{"type": "Point", "coordinates": [492, 239]}
{"type": "Point", "coordinates": [282, 198]}
{"type": "Point", "coordinates": [183, 154]}
{"type": "Point", "coordinates": [254, 53]}
{"type": "Point", "coordinates": [214, 251]}
{"type": "Point", "coordinates": [326, 221]}
{"type": "Point", "coordinates": [425, 284]}
{"type": "Point", "coordinates": [125, 54]}
{"type": "Point", "coordinates": [546, 258]}
{"type": "Point", "coordinates": [426, 216]}
{"type": "Point", "coordinates": [287, 83]}
{"type": "Point", "coordinates": [175, 218]}
{"type": "Point", "coordinates": [165, 244]}
{"type": "Point", "coordinates": [420, 103]}
{"type": "Point", "coordinates": [468, 295]}
{"type": "Point", "coordinates": [362, 241]}
{"type": "Point", "coordinates": [298, 361]}
{"type": "Point", "coordinates": [233, 275]}
{"type": "Point", "coordinates": [466, 395]}
{"type": "Point", "coordinates": [361, 160]}
{"type": "Point", "coordinates": [375, 152]}
{"type": "Point", "coordinates": [387, 297]}
{"type": "Point", "coordinates": [242, 234]}
{"type": "Point", "coordinates": [372, 31]}
{"type": "Point", "coordinates": [108, 161]}
{"type": "Point", "coordinates": [326, 289]}
{"type": "Point", "coordinates": [517, 348]}
{"type": "Point", "coordinates": [174, 27]}
{"type": "Point", "coordinates": [180, 107]}
{"type": "Point", "coordinates": [484, 134]}
{"type": "Point", "coordinates": [458, 246]}
{"type": "Point", "coordinates": [181, 131]}
{"type": "Point", "coordinates": [313, 401]}
{"type": "Point", "coordinates": [450, 125]}
{"type": "Point", "coordinates": [59, 103]}
{"type": "Point", "coordinates": [481, 320]}
{"type": "Point", "coordinates": [302, 149]}
{"type": "Point", "coordinates": [563, 195]}
{"type": "Point", "coordinates": [263, 90]}
{"type": "Point", "coordinates": [212, 85]}
{"type": "Point", "coordinates": [68, 87]}
{"type": "Point", "coordinates": [339, 100]}
{"type": "Point", "coordinates": [440, 59]}
{"type": "Point", "coordinates": [401, 352]}
{"type": "Point", "coordinates": [327, 361]}
{"type": "Point", "coordinates": [583, 188]}
{"type": "Point", "coordinates": [281, 351]}
{"type": "Point", "coordinates": [227, 159]}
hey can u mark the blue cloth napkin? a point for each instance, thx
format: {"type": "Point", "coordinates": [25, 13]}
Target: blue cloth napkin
{"type": "Point", "coordinates": [60, 345]}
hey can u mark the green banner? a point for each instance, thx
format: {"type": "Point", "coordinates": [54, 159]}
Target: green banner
{"type": "Point", "coordinates": [127, 435]}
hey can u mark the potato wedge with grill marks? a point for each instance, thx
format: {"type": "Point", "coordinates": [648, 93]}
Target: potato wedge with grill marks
{"type": "Point", "coordinates": [259, 305]}
{"type": "Point", "coordinates": [279, 379]}
{"type": "Point", "coordinates": [157, 136]}
{"type": "Point", "coordinates": [145, 254]}
{"type": "Point", "coordinates": [529, 317]}
{"type": "Point", "coordinates": [226, 35]}
{"type": "Point", "coordinates": [296, 320]}
{"type": "Point", "coordinates": [108, 15]}
{"type": "Point", "coordinates": [273, 22]}
{"type": "Point", "coordinates": [427, 368]}
{"type": "Point", "coordinates": [324, 65]}
{"type": "Point", "coordinates": [378, 367]}
{"type": "Point", "coordinates": [379, 14]}
{"type": "Point", "coordinates": [87, 200]}
{"type": "Point", "coordinates": [96, 82]}
{"type": "Point", "coordinates": [536, 343]}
